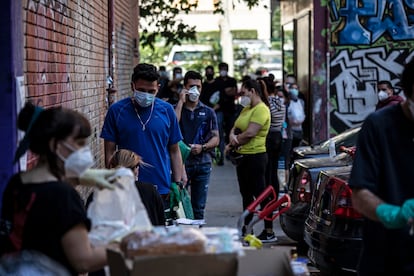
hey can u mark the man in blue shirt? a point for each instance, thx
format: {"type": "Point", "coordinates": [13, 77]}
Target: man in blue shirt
{"type": "Point", "coordinates": [198, 124]}
{"type": "Point", "coordinates": [148, 126]}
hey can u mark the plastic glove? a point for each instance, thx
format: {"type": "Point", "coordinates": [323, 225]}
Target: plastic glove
{"type": "Point", "coordinates": [407, 209]}
{"type": "Point", "coordinates": [101, 178]}
{"type": "Point", "coordinates": [393, 216]}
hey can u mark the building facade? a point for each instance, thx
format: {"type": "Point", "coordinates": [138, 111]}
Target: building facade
{"type": "Point", "coordinates": [63, 52]}
{"type": "Point", "coordinates": [341, 49]}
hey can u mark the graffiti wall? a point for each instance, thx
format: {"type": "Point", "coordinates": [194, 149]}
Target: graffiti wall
{"type": "Point", "coordinates": [370, 40]}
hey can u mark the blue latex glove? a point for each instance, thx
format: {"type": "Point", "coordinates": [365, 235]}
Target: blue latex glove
{"type": "Point", "coordinates": [393, 216]}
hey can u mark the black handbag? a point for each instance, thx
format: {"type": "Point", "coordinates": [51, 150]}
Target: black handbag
{"type": "Point", "coordinates": [235, 157]}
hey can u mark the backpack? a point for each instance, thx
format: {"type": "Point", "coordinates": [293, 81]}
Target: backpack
{"type": "Point", "coordinates": [13, 220]}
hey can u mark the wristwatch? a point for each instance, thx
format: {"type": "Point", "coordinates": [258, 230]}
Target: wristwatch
{"type": "Point", "coordinates": [204, 147]}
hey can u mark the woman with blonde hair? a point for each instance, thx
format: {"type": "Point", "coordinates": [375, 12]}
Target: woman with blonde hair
{"type": "Point", "coordinates": [148, 192]}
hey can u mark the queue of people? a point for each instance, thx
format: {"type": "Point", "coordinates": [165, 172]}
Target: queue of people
{"type": "Point", "coordinates": [42, 211]}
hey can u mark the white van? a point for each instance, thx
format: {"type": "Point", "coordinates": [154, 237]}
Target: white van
{"type": "Point", "coordinates": [186, 55]}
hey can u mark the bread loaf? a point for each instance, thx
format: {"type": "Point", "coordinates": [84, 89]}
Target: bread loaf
{"type": "Point", "coordinates": [156, 242]}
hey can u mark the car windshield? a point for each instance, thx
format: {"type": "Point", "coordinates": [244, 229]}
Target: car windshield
{"type": "Point", "coordinates": [346, 138]}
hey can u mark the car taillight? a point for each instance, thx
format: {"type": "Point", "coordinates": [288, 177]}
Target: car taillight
{"type": "Point", "coordinates": [343, 204]}
{"type": "Point", "coordinates": [303, 190]}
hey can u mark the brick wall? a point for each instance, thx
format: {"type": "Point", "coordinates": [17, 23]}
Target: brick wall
{"type": "Point", "coordinates": [66, 56]}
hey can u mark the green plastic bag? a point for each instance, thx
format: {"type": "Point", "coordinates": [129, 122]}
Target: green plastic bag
{"type": "Point", "coordinates": [180, 202]}
{"type": "Point", "coordinates": [185, 150]}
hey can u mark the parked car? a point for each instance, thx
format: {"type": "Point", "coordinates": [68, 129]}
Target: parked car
{"type": "Point", "coordinates": [333, 229]}
{"type": "Point", "coordinates": [302, 179]}
{"type": "Point", "coordinates": [190, 56]}
{"type": "Point", "coordinates": [347, 138]}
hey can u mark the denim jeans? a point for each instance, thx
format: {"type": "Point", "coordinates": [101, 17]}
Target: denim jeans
{"type": "Point", "coordinates": [198, 178]}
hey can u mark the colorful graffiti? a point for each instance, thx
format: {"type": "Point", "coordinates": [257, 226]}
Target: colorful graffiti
{"type": "Point", "coordinates": [354, 75]}
{"type": "Point", "coordinates": [363, 22]}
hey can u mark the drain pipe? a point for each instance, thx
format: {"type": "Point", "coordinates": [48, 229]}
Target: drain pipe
{"type": "Point", "coordinates": [111, 91]}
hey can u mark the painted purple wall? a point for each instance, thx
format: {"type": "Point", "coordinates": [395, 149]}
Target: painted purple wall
{"type": "Point", "coordinates": [10, 66]}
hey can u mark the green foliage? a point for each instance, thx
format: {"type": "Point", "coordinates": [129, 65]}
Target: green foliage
{"type": "Point", "coordinates": [160, 16]}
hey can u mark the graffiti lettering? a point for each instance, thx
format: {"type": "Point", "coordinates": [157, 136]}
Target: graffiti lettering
{"type": "Point", "coordinates": [354, 76]}
{"type": "Point", "coordinates": [55, 6]}
{"type": "Point", "coordinates": [363, 22]}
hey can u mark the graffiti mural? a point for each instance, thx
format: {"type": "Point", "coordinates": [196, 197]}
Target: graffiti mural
{"type": "Point", "coordinates": [354, 75]}
{"type": "Point", "coordinates": [364, 22]}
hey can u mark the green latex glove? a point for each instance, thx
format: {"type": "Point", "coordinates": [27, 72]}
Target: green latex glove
{"type": "Point", "coordinates": [101, 178]}
{"type": "Point", "coordinates": [185, 150]}
{"type": "Point", "coordinates": [395, 217]}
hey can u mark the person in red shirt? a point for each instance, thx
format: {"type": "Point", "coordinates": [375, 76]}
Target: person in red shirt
{"type": "Point", "coordinates": [386, 95]}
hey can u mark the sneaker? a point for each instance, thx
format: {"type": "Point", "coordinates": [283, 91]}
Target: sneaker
{"type": "Point", "coordinates": [267, 237]}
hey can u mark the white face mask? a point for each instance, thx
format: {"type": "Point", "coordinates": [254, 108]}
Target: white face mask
{"type": "Point", "coordinates": [382, 95]}
{"type": "Point", "coordinates": [223, 73]}
{"type": "Point", "coordinates": [245, 101]}
{"type": "Point", "coordinates": [193, 94]}
{"type": "Point", "coordinates": [78, 161]}
{"type": "Point", "coordinates": [144, 99]}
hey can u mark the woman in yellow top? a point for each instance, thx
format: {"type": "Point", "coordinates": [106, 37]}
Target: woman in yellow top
{"type": "Point", "coordinates": [248, 136]}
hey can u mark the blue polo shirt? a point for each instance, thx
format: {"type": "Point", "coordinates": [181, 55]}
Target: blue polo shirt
{"type": "Point", "coordinates": [197, 128]}
{"type": "Point", "coordinates": [123, 127]}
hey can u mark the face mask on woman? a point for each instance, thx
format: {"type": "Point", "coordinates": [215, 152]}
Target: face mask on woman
{"type": "Point", "coordinates": [78, 161]}
{"type": "Point", "coordinates": [144, 99]}
{"type": "Point", "coordinates": [245, 101]}
{"type": "Point", "coordinates": [294, 92]}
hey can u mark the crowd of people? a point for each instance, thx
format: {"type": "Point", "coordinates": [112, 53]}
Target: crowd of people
{"type": "Point", "coordinates": [259, 123]}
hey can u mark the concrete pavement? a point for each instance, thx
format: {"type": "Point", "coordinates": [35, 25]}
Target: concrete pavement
{"type": "Point", "coordinates": [224, 204]}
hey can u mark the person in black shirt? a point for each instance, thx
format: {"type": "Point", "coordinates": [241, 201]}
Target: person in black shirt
{"type": "Point", "coordinates": [382, 186]}
{"type": "Point", "coordinates": [226, 109]}
{"type": "Point", "coordinates": [41, 210]}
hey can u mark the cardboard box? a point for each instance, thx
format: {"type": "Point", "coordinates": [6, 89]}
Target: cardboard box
{"type": "Point", "coordinates": [175, 265]}
{"type": "Point", "coordinates": [274, 261]}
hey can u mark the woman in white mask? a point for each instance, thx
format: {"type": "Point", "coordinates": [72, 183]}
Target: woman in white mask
{"type": "Point", "coordinates": [41, 210]}
{"type": "Point", "coordinates": [248, 138]}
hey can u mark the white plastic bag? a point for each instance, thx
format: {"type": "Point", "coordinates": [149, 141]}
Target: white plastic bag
{"type": "Point", "coordinates": [116, 213]}
{"type": "Point", "coordinates": [296, 113]}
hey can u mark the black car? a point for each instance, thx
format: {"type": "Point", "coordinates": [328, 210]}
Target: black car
{"type": "Point", "coordinates": [302, 179]}
{"type": "Point", "coordinates": [347, 138]}
{"type": "Point", "coordinates": [333, 229]}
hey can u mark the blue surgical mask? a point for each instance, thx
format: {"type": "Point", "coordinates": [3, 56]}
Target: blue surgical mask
{"type": "Point", "coordinates": [144, 99]}
{"type": "Point", "coordinates": [294, 92]}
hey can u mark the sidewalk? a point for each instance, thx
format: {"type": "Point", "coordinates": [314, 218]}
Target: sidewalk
{"type": "Point", "coordinates": [224, 204]}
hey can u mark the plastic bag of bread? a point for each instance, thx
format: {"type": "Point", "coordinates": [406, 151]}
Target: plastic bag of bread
{"type": "Point", "coordinates": [164, 241]}
{"type": "Point", "coordinates": [115, 213]}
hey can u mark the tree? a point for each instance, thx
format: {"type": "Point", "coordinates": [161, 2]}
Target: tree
{"type": "Point", "coordinates": [159, 16]}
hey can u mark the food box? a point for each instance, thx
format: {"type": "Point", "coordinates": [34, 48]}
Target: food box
{"type": "Point", "coordinates": [273, 261]}
{"type": "Point", "coordinates": [224, 264]}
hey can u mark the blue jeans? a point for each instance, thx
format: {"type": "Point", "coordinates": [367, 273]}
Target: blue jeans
{"type": "Point", "coordinates": [198, 178]}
